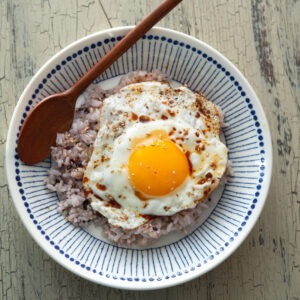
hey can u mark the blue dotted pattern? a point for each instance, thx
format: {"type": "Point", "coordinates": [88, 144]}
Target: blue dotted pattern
{"type": "Point", "coordinates": [209, 59]}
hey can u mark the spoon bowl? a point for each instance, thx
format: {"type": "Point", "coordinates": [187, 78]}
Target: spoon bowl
{"type": "Point", "coordinates": [52, 115]}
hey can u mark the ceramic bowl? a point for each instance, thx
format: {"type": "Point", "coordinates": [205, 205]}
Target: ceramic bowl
{"type": "Point", "coordinates": [235, 207]}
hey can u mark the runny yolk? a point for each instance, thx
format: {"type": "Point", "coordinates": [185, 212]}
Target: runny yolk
{"type": "Point", "coordinates": [157, 167]}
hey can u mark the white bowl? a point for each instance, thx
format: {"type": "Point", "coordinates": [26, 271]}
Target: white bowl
{"type": "Point", "coordinates": [238, 204]}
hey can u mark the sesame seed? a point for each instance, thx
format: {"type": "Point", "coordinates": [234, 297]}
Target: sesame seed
{"type": "Point", "coordinates": [141, 164]}
{"type": "Point", "coordinates": [149, 187]}
{"type": "Point", "coordinates": [174, 172]}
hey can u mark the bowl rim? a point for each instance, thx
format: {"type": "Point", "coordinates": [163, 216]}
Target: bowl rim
{"type": "Point", "coordinates": [138, 285]}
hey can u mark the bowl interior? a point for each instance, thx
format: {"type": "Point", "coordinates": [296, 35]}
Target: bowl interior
{"type": "Point", "coordinates": [186, 61]}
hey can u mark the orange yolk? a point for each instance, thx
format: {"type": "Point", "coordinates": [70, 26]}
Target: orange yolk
{"type": "Point", "coordinates": [157, 167]}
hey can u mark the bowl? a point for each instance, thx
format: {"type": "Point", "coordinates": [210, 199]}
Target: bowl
{"type": "Point", "coordinates": [227, 221]}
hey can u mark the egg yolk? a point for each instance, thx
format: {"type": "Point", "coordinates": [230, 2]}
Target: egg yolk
{"type": "Point", "coordinates": [157, 167]}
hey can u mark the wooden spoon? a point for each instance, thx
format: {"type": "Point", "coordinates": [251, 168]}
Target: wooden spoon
{"type": "Point", "coordinates": [55, 113]}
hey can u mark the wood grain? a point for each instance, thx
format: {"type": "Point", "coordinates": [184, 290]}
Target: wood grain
{"type": "Point", "coordinates": [262, 37]}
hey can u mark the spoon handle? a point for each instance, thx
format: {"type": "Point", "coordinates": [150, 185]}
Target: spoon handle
{"type": "Point", "coordinates": [130, 39]}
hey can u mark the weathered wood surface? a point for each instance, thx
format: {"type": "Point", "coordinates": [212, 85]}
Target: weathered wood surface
{"type": "Point", "coordinates": [262, 37]}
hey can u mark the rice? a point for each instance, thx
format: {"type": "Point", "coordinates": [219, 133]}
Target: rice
{"type": "Point", "coordinates": [71, 155]}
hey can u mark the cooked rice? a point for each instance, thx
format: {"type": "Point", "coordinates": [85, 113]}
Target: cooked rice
{"type": "Point", "coordinates": [71, 155]}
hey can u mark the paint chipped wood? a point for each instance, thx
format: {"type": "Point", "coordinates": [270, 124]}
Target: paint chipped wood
{"type": "Point", "coordinates": [262, 38]}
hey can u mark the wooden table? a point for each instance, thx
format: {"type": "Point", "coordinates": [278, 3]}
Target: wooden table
{"type": "Point", "coordinates": [263, 39]}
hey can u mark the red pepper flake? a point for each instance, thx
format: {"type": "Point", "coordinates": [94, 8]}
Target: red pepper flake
{"type": "Point", "coordinates": [201, 181]}
{"type": "Point", "coordinates": [96, 164]}
{"type": "Point", "coordinates": [213, 165]}
{"type": "Point", "coordinates": [172, 131]}
{"type": "Point", "coordinates": [134, 116]}
{"type": "Point", "coordinates": [87, 193]}
{"type": "Point", "coordinates": [144, 119]}
{"type": "Point", "coordinates": [180, 139]}
{"type": "Point", "coordinates": [208, 175]}
{"type": "Point", "coordinates": [101, 187]}
{"type": "Point", "coordinates": [147, 217]}
{"type": "Point", "coordinates": [198, 149]}
{"type": "Point", "coordinates": [187, 154]}
{"type": "Point", "coordinates": [96, 196]}
{"type": "Point", "coordinates": [113, 203]}
{"type": "Point", "coordinates": [171, 113]}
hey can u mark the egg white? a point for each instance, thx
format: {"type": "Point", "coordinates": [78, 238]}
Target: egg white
{"type": "Point", "coordinates": [121, 123]}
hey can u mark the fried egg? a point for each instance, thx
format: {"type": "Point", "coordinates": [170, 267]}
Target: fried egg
{"type": "Point", "coordinates": [157, 153]}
